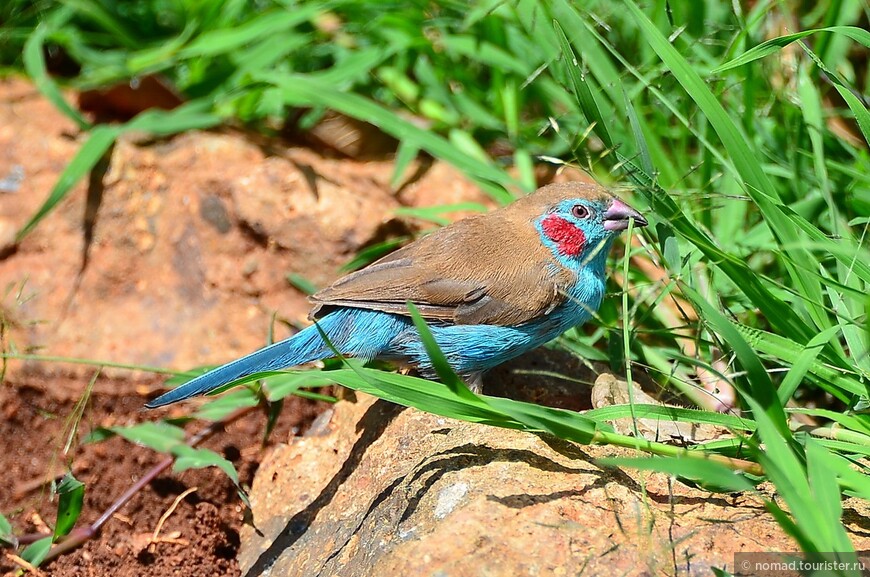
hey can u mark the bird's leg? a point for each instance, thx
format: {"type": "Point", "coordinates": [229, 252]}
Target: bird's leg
{"type": "Point", "coordinates": [475, 381]}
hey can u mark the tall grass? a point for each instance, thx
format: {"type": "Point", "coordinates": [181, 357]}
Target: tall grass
{"type": "Point", "coordinates": [744, 132]}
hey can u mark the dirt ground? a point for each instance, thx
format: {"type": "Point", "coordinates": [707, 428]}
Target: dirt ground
{"type": "Point", "coordinates": [205, 525]}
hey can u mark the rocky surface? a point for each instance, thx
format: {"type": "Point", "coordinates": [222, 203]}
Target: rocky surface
{"type": "Point", "coordinates": [386, 491]}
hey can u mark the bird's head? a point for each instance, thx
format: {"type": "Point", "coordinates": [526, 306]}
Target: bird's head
{"type": "Point", "coordinates": [578, 221]}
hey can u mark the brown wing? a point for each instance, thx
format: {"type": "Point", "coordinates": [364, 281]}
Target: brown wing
{"type": "Point", "coordinates": [490, 269]}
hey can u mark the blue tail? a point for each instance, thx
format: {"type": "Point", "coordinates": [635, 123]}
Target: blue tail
{"type": "Point", "coordinates": [354, 332]}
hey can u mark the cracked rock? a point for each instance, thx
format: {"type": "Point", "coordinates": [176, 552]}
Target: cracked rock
{"type": "Point", "coordinates": [392, 491]}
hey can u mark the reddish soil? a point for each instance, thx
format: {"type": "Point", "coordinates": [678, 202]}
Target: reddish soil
{"type": "Point", "coordinates": [204, 526]}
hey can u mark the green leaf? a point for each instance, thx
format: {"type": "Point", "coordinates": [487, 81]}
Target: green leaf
{"type": "Point", "coordinates": [34, 64]}
{"type": "Point", "coordinates": [582, 35]}
{"type": "Point", "coordinates": [421, 394]}
{"type": "Point", "coordinates": [467, 145]}
{"type": "Point", "coordinates": [526, 169]}
{"type": "Point", "coordinates": [289, 383]}
{"type": "Point", "coordinates": [746, 162]}
{"type": "Point", "coordinates": [178, 380]}
{"type": "Point", "coordinates": [273, 412]}
{"type": "Point", "coordinates": [6, 534]}
{"type": "Point", "coordinates": [854, 481]}
{"type": "Point", "coordinates": [639, 139]}
{"type": "Point", "coordinates": [71, 493]}
{"type": "Point", "coordinates": [855, 422]}
{"type": "Point", "coordinates": [805, 360]}
{"type": "Point", "coordinates": [217, 409]}
{"type": "Point", "coordinates": [826, 492]}
{"type": "Point", "coordinates": [405, 155]}
{"type": "Point", "coordinates": [862, 115]}
{"type": "Point", "coordinates": [193, 115]}
{"type": "Point", "coordinates": [581, 88]}
{"type": "Point", "coordinates": [762, 388]}
{"type": "Point", "coordinates": [98, 435]}
{"type": "Point", "coordinates": [161, 436]}
{"type": "Point", "coordinates": [373, 253]}
{"type": "Point", "coordinates": [439, 361]}
{"type": "Point", "coordinates": [775, 44]}
{"type": "Point", "coordinates": [186, 457]}
{"type": "Point", "coordinates": [855, 104]}
{"type": "Point", "coordinates": [791, 352]}
{"type": "Point", "coordinates": [36, 552]}
{"type": "Point", "coordinates": [642, 411]}
{"type": "Point", "coordinates": [819, 526]}
{"type": "Point", "coordinates": [301, 283]}
{"type": "Point", "coordinates": [306, 91]}
{"type": "Point", "coordinates": [706, 472]}
{"type": "Point", "coordinates": [559, 422]}
{"type": "Point", "coordinates": [226, 40]}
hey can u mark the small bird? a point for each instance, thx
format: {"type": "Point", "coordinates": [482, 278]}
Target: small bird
{"type": "Point", "coordinates": [491, 287]}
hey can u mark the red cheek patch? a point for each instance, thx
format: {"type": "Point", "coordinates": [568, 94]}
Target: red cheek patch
{"type": "Point", "coordinates": [568, 238]}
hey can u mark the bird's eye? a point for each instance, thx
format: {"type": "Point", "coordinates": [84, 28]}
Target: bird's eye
{"type": "Point", "coordinates": [580, 211]}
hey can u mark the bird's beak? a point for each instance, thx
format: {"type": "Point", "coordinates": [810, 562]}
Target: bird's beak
{"type": "Point", "coordinates": [617, 215]}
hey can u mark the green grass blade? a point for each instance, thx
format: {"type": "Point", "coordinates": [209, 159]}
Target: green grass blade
{"type": "Point", "coordinates": [99, 141]}
{"type": "Point", "coordinates": [640, 141]}
{"type": "Point", "coordinates": [405, 155]}
{"type": "Point", "coordinates": [227, 40]}
{"type": "Point", "coordinates": [439, 362]}
{"type": "Point", "coordinates": [561, 423]}
{"type": "Point", "coordinates": [775, 44]}
{"type": "Point", "coordinates": [34, 64]}
{"type": "Point", "coordinates": [745, 160]}
{"type": "Point", "coordinates": [803, 363]}
{"type": "Point", "coordinates": [303, 90]}
{"type": "Point", "coordinates": [642, 411]}
{"type": "Point", "coordinates": [581, 88]}
{"type": "Point", "coordinates": [826, 494]}
{"type": "Point", "coordinates": [217, 409]}
{"type": "Point", "coordinates": [819, 524]}
{"type": "Point", "coordinates": [756, 182]}
{"type": "Point", "coordinates": [6, 534]}
{"type": "Point", "coordinates": [855, 481]}
{"type": "Point", "coordinates": [790, 351]}
{"type": "Point", "coordinates": [706, 472]}
{"type": "Point", "coordinates": [855, 104]}
{"type": "Point", "coordinates": [96, 12]}
{"type": "Point", "coordinates": [421, 394]}
{"type": "Point", "coordinates": [762, 388]}
{"type": "Point", "coordinates": [862, 116]}
{"type": "Point", "coordinates": [193, 115]}
{"type": "Point", "coordinates": [600, 65]}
